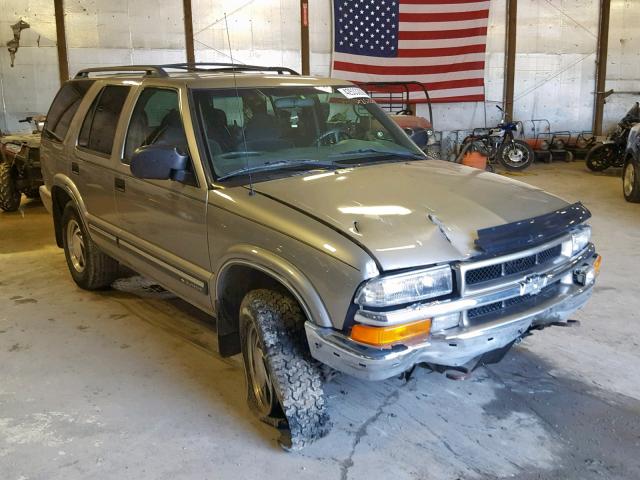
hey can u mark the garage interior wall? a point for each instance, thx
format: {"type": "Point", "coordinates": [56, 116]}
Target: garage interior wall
{"type": "Point", "coordinates": [623, 66]}
{"type": "Point", "coordinates": [30, 85]}
{"type": "Point", "coordinates": [123, 32]}
{"type": "Point", "coordinates": [555, 64]}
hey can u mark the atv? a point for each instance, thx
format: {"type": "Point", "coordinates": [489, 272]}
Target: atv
{"type": "Point", "coordinates": [20, 165]}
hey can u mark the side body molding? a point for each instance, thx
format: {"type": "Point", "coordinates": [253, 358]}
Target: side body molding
{"type": "Point", "coordinates": [282, 271]}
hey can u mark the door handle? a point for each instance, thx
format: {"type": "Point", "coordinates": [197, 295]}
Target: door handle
{"type": "Point", "coordinates": [75, 168]}
{"type": "Point", "coordinates": [119, 184]}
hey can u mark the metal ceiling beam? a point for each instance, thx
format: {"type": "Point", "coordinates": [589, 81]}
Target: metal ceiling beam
{"type": "Point", "coordinates": [61, 41]}
{"type": "Point", "coordinates": [510, 56]}
{"type": "Point", "coordinates": [601, 66]}
{"type": "Point", "coordinates": [188, 31]}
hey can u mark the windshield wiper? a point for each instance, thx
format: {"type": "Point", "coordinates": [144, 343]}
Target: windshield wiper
{"type": "Point", "coordinates": [277, 165]}
{"type": "Point", "coordinates": [367, 151]}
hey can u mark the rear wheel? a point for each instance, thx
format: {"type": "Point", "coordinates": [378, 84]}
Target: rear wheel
{"type": "Point", "coordinates": [601, 157]}
{"type": "Point", "coordinates": [631, 181]}
{"type": "Point", "coordinates": [90, 268]}
{"type": "Point", "coordinates": [9, 194]}
{"type": "Point", "coordinates": [515, 155]}
{"type": "Point", "coordinates": [284, 387]}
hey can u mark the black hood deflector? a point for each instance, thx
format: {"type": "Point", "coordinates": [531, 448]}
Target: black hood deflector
{"type": "Point", "coordinates": [526, 233]}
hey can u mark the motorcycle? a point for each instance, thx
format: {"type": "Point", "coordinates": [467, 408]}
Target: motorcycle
{"type": "Point", "coordinates": [610, 153]}
{"type": "Point", "coordinates": [499, 145]}
{"type": "Point", "coordinates": [20, 165]}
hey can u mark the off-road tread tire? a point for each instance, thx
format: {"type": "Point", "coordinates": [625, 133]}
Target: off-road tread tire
{"type": "Point", "coordinates": [634, 197]}
{"type": "Point", "coordinates": [296, 379]}
{"type": "Point", "coordinates": [100, 269]}
{"type": "Point", "coordinates": [9, 195]}
{"type": "Point", "coordinates": [588, 161]}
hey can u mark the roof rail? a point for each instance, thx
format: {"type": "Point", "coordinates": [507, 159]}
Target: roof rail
{"type": "Point", "coordinates": [229, 67]}
{"type": "Point", "coordinates": [149, 70]}
{"type": "Point", "coordinates": [161, 70]}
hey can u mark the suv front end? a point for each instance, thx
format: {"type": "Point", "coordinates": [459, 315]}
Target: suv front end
{"type": "Point", "coordinates": [461, 314]}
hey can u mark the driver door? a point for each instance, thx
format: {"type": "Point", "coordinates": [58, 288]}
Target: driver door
{"type": "Point", "coordinates": [163, 222]}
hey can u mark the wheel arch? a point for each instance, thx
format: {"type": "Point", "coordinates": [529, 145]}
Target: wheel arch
{"type": "Point", "coordinates": [63, 191]}
{"type": "Point", "coordinates": [246, 268]}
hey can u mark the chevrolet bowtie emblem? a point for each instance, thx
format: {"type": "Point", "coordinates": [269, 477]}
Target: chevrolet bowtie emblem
{"type": "Point", "coordinates": [533, 284]}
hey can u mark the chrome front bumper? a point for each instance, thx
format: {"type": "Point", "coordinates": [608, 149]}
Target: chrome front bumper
{"type": "Point", "coordinates": [454, 347]}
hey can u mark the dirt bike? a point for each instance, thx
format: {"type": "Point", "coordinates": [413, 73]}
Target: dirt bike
{"type": "Point", "coordinates": [20, 165]}
{"type": "Point", "coordinates": [499, 145]}
{"type": "Point", "coordinates": [610, 153]}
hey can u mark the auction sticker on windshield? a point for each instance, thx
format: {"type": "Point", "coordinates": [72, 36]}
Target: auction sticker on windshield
{"type": "Point", "coordinates": [353, 92]}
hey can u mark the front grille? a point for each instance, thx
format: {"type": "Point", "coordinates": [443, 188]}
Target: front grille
{"type": "Point", "coordinates": [503, 306]}
{"type": "Point", "coordinates": [492, 272]}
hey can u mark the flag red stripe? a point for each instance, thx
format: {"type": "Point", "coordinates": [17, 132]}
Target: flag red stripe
{"type": "Point", "coordinates": [461, 98]}
{"type": "Point", "coordinates": [446, 84]}
{"type": "Point", "coordinates": [444, 17]}
{"type": "Point", "coordinates": [441, 52]}
{"type": "Point", "coordinates": [442, 34]}
{"type": "Point", "coordinates": [412, 70]}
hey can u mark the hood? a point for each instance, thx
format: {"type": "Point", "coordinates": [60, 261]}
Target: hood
{"type": "Point", "coordinates": [414, 213]}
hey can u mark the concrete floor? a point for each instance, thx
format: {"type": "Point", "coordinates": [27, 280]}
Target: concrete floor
{"type": "Point", "coordinates": [113, 385]}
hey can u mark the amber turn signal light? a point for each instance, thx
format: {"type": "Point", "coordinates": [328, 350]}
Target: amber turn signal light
{"type": "Point", "coordinates": [383, 336]}
{"type": "Point", "coordinates": [596, 264]}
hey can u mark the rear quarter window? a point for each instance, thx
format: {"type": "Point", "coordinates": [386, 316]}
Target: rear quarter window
{"type": "Point", "coordinates": [64, 107]}
{"type": "Point", "coordinates": [99, 125]}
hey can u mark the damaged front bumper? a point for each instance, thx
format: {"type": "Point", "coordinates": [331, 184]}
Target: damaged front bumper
{"type": "Point", "coordinates": [460, 346]}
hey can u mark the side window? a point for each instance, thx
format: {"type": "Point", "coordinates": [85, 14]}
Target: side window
{"type": "Point", "coordinates": [155, 120]}
{"type": "Point", "coordinates": [99, 126]}
{"type": "Point", "coordinates": [64, 107]}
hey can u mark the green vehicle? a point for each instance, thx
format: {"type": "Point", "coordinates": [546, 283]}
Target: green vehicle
{"type": "Point", "coordinates": [20, 165]}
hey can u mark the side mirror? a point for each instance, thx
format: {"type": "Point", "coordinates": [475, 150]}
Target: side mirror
{"type": "Point", "coordinates": [159, 162]}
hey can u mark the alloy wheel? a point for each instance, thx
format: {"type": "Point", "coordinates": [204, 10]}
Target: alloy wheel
{"type": "Point", "coordinates": [75, 244]}
{"type": "Point", "coordinates": [629, 178]}
{"type": "Point", "coordinates": [258, 372]}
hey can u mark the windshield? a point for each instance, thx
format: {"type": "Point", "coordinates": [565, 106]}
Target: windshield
{"type": "Point", "coordinates": [277, 128]}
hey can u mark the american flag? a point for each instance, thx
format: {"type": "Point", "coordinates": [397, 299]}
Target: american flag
{"type": "Point", "coordinates": [440, 43]}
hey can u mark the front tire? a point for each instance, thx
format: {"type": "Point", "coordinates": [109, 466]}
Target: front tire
{"type": "Point", "coordinates": [515, 155]}
{"type": "Point", "coordinates": [631, 181]}
{"type": "Point", "coordinates": [600, 157]}
{"type": "Point", "coordinates": [9, 195]}
{"type": "Point", "coordinates": [284, 387]}
{"type": "Point", "coordinates": [90, 268]}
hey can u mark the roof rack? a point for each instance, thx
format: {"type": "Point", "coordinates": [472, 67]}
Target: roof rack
{"type": "Point", "coordinates": [149, 70]}
{"type": "Point", "coordinates": [161, 70]}
{"type": "Point", "coordinates": [229, 67]}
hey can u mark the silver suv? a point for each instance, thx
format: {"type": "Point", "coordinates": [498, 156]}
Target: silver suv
{"type": "Point", "coordinates": [305, 220]}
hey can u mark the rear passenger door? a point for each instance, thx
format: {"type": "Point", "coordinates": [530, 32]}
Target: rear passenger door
{"type": "Point", "coordinates": [93, 162]}
{"type": "Point", "coordinates": [163, 222]}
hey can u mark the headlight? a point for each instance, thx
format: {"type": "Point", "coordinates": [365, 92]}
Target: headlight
{"type": "Point", "coordinates": [580, 238]}
{"type": "Point", "coordinates": [406, 287]}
